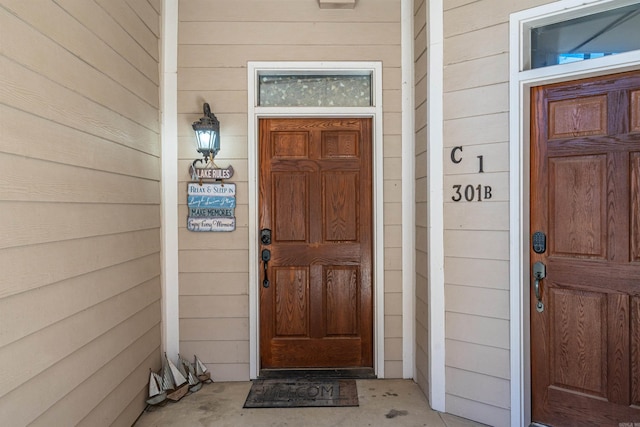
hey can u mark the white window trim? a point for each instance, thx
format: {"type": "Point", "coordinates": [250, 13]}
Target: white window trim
{"type": "Point", "coordinates": [375, 112]}
{"type": "Point", "coordinates": [521, 81]}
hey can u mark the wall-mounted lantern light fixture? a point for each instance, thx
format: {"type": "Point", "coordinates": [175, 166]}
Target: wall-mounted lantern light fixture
{"type": "Point", "coordinates": [212, 203]}
{"type": "Point", "coordinates": [207, 131]}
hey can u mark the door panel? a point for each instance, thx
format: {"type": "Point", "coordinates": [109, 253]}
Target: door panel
{"type": "Point", "coordinates": [635, 111]}
{"type": "Point", "coordinates": [635, 204]}
{"type": "Point", "coordinates": [585, 174]}
{"type": "Point", "coordinates": [635, 351]}
{"type": "Point", "coordinates": [292, 301]}
{"type": "Point", "coordinates": [576, 199]}
{"type": "Point", "coordinates": [342, 293]}
{"type": "Point", "coordinates": [316, 196]}
{"type": "Point", "coordinates": [578, 117]}
{"type": "Point", "coordinates": [340, 205]}
{"type": "Point", "coordinates": [579, 332]}
{"type": "Point", "coordinates": [291, 206]}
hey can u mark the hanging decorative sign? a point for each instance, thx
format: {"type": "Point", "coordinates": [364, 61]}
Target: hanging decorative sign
{"type": "Point", "coordinates": [210, 212]}
{"type": "Point", "coordinates": [211, 201]}
{"type": "Point", "coordinates": [211, 224]}
{"type": "Point", "coordinates": [210, 173]}
{"type": "Point", "coordinates": [211, 189]}
{"type": "Point", "coordinates": [211, 206]}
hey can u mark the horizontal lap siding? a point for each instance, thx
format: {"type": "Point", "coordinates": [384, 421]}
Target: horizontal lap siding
{"type": "Point", "coordinates": [79, 210]}
{"type": "Point", "coordinates": [476, 114]}
{"type": "Point", "coordinates": [216, 40]}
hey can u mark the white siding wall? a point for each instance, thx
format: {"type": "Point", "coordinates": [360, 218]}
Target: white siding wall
{"type": "Point", "coordinates": [216, 40]}
{"type": "Point", "coordinates": [79, 210]}
{"type": "Point", "coordinates": [476, 114]}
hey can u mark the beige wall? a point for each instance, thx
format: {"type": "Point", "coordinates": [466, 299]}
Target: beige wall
{"type": "Point", "coordinates": [216, 39]}
{"type": "Point", "coordinates": [476, 117]}
{"type": "Point", "coordinates": [79, 210]}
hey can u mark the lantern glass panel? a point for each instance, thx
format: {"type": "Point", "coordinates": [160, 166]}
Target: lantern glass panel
{"type": "Point", "coordinates": [208, 140]}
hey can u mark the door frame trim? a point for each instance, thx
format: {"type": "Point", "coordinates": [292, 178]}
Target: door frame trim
{"type": "Point", "coordinates": [375, 113]}
{"type": "Point", "coordinates": [520, 81]}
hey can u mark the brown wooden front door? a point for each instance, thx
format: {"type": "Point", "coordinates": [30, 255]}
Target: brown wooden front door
{"type": "Point", "coordinates": [585, 184]}
{"type": "Point", "coordinates": [316, 198]}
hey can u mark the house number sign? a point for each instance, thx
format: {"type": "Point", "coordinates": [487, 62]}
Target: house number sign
{"type": "Point", "coordinates": [470, 192]}
{"type": "Point", "coordinates": [211, 206]}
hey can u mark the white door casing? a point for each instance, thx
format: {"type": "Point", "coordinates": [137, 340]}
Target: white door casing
{"type": "Point", "coordinates": [375, 112]}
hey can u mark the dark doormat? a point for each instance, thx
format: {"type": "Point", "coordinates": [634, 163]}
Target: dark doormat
{"type": "Point", "coordinates": [298, 393]}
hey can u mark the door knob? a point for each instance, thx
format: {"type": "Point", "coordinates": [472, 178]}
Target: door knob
{"type": "Point", "coordinates": [539, 273]}
{"type": "Point", "coordinates": [266, 256]}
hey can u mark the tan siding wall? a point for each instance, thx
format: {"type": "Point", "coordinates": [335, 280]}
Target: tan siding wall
{"type": "Point", "coordinates": [422, 285]}
{"type": "Point", "coordinates": [215, 42]}
{"type": "Point", "coordinates": [79, 210]}
{"type": "Point", "coordinates": [476, 110]}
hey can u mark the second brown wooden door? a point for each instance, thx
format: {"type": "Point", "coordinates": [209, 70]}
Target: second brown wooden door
{"type": "Point", "coordinates": [585, 195]}
{"type": "Point", "coordinates": [316, 198]}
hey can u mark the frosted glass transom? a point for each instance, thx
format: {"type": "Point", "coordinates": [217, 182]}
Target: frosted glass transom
{"type": "Point", "coordinates": [336, 90]}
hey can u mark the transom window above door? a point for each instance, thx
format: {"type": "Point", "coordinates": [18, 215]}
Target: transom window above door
{"type": "Point", "coordinates": [295, 89]}
{"type": "Point", "coordinates": [590, 36]}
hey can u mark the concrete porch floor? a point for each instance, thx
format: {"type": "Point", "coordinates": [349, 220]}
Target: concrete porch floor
{"type": "Point", "coordinates": [382, 403]}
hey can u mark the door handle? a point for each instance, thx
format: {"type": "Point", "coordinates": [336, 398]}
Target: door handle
{"type": "Point", "coordinates": [539, 273]}
{"type": "Point", "coordinates": [266, 256]}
